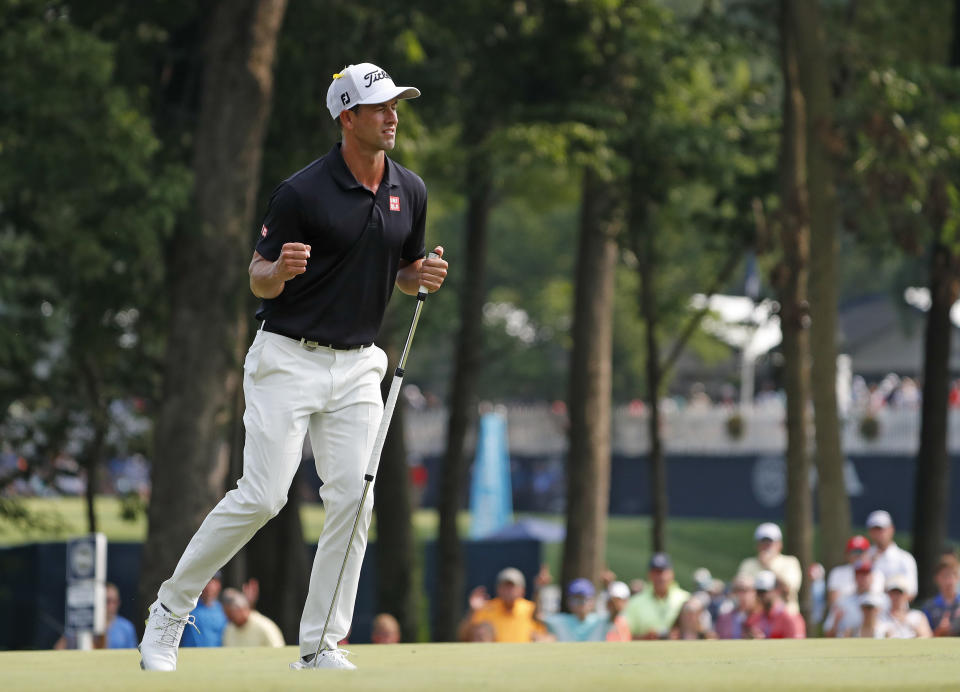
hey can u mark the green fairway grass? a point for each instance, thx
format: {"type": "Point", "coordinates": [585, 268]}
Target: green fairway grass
{"type": "Point", "coordinates": [729, 665]}
{"type": "Point", "coordinates": [718, 544]}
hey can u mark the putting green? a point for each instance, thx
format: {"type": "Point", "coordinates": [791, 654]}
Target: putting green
{"type": "Point", "coordinates": [729, 665]}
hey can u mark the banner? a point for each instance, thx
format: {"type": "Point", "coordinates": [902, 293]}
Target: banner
{"type": "Point", "coordinates": [491, 497]}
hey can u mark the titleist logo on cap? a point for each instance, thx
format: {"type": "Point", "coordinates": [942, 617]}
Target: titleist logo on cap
{"type": "Point", "coordinates": [375, 76]}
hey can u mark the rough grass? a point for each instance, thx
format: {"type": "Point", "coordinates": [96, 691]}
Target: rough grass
{"type": "Point", "coordinates": [737, 665]}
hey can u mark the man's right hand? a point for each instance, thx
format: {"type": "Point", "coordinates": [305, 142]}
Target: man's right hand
{"type": "Point", "coordinates": [292, 261]}
{"type": "Point", "coordinates": [478, 598]}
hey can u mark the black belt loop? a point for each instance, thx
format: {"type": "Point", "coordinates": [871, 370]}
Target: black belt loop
{"type": "Point", "coordinates": [312, 344]}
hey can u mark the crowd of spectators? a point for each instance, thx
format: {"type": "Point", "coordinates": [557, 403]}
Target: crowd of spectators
{"type": "Point", "coordinates": [868, 596]}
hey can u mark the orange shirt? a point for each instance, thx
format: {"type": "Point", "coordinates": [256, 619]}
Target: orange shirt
{"type": "Point", "coordinates": [516, 625]}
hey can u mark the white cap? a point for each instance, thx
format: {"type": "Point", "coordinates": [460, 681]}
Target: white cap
{"type": "Point", "coordinates": [618, 589]}
{"type": "Point", "coordinates": [873, 600]}
{"type": "Point", "coordinates": [879, 519]}
{"type": "Point", "coordinates": [765, 581]}
{"type": "Point", "coordinates": [768, 530]}
{"type": "Point", "coordinates": [512, 575]}
{"type": "Point", "coordinates": [363, 83]}
{"type": "Point", "coordinates": [898, 582]}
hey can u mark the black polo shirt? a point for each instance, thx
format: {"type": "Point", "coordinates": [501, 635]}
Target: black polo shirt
{"type": "Point", "coordinates": [357, 240]}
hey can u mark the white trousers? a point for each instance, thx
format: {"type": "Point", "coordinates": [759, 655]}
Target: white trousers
{"type": "Point", "coordinates": [335, 395]}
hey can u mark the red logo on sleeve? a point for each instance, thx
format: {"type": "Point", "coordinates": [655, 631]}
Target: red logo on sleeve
{"type": "Point", "coordinates": [394, 203]}
{"type": "Point", "coordinates": [263, 231]}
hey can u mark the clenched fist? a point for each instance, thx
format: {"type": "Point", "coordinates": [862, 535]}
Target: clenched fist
{"type": "Point", "coordinates": [292, 261]}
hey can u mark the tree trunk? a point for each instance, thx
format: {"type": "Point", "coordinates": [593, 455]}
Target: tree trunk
{"type": "Point", "coordinates": [588, 458]}
{"type": "Point", "coordinates": [100, 420]}
{"type": "Point", "coordinates": [208, 279]}
{"type": "Point", "coordinates": [645, 248]}
{"type": "Point", "coordinates": [814, 82]}
{"type": "Point", "coordinates": [448, 604]}
{"type": "Point", "coordinates": [931, 503]}
{"type": "Point", "coordinates": [396, 554]}
{"type": "Point", "coordinates": [794, 311]}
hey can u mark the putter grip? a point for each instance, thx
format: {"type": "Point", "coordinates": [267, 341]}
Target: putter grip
{"type": "Point", "coordinates": [423, 289]}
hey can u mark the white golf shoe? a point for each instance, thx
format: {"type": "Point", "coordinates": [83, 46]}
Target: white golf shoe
{"type": "Point", "coordinates": [158, 649]}
{"type": "Point", "coordinates": [335, 659]}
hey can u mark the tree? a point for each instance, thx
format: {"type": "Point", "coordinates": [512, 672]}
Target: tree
{"type": "Point", "coordinates": [822, 142]}
{"type": "Point", "coordinates": [588, 455]}
{"type": "Point", "coordinates": [931, 503]}
{"type": "Point", "coordinates": [902, 191]}
{"type": "Point", "coordinates": [208, 260]}
{"type": "Point", "coordinates": [792, 279]}
{"type": "Point", "coordinates": [87, 204]}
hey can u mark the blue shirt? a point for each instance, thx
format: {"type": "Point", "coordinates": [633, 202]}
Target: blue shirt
{"type": "Point", "coordinates": [567, 627]}
{"type": "Point", "coordinates": [211, 622]}
{"type": "Point", "coordinates": [121, 634]}
{"type": "Point", "coordinates": [937, 607]}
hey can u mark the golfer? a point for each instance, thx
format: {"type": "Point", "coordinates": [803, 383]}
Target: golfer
{"type": "Point", "coordinates": [337, 236]}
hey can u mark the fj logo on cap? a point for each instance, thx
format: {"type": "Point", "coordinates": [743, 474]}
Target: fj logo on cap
{"type": "Point", "coordinates": [345, 98]}
{"type": "Point", "coordinates": [394, 203]}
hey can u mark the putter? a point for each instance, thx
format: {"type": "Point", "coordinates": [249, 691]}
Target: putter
{"type": "Point", "coordinates": [374, 462]}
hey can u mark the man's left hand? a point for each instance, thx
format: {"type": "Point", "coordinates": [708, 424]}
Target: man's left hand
{"type": "Point", "coordinates": [433, 271]}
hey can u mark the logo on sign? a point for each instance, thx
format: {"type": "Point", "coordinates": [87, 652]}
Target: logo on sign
{"type": "Point", "coordinates": [394, 203]}
{"type": "Point", "coordinates": [263, 231]}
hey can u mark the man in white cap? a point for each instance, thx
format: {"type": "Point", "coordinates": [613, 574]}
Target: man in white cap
{"type": "Point", "coordinates": [888, 558]}
{"type": "Point", "coordinates": [512, 617]}
{"type": "Point", "coordinates": [336, 239]}
{"type": "Point", "coordinates": [769, 542]}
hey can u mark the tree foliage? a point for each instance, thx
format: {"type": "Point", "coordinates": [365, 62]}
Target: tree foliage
{"type": "Point", "coordinates": [86, 207]}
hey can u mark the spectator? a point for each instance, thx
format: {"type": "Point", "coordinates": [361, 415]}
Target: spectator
{"type": "Point", "coordinates": [694, 621]}
{"type": "Point", "coordinates": [210, 618]}
{"type": "Point", "coordinates": [872, 623]}
{"type": "Point", "coordinates": [120, 631]}
{"type": "Point", "coordinates": [582, 623]}
{"type": "Point", "coordinates": [618, 595]}
{"type": "Point", "coordinates": [842, 581]}
{"type": "Point", "coordinates": [481, 632]}
{"type": "Point", "coordinates": [385, 629]}
{"type": "Point", "coordinates": [943, 610]}
{"type": "Point", "coordinates": [887, 556]}
{"type": "Point", "coordinates": [247, 627]}
{"type": "Point", "coordinates": [511, 615]}
{"type": "Point", "coordinates": [773, 620]}
{"type": "Point", "coordinates": [845, 615]}
{"type": "Point", "coordinates": [906, 623]}
{"type": "Point", "coordinates": [736, 611]}
{"type": "Point", "coordinates": [651, 613]}
{"type": "Point", "coordinates": [710, 591]}
{"type": "Point", "coordinates": [818, 591]}
{"type": "Point", "coordinates": [787, 569]}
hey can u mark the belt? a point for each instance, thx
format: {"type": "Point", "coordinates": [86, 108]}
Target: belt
{"type": "Point", "coordinates": [311, 345]}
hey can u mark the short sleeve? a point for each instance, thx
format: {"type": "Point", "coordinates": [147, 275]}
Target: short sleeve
{"type": "Point", "coordinates": [413, 247]}
{"type": "Point", "coordinates": [282, 223]}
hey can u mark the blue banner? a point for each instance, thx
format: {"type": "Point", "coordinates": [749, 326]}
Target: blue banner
{"type": "Point", "coordinates": [491, 497]}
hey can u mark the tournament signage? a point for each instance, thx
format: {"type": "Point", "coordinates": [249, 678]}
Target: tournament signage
{"type": "Point", "coordinates": [491, 498]}
{"type": "Point", "coordinates": [86, 601]}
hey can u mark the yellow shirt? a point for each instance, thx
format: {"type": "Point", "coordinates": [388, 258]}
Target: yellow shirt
{"type": "Point", "coordinates": [258, 630]}
{"type": "Point", "coordinates": [516, 625]}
